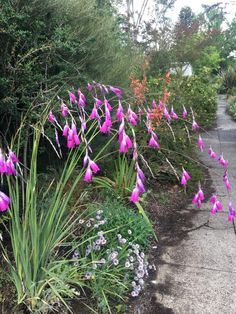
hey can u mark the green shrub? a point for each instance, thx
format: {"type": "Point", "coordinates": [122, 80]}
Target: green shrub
{"type": "Point", "coordinates": [198, 93]}
{"type": "Point", "coordinates": [229, 80]}
{"type": "Point", "coordinates": [110, 250]}
{"type": "Point", "coordinates": [231, 107]}
{"type": "Point", "coordinates": [49, 45]}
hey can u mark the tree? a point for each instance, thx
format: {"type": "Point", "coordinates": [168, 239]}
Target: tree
{"type": "Point", "coordinates": [49, 44]}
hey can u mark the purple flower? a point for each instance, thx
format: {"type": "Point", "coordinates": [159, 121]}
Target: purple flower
{"type": "Point", "coordinates": [75, 134]}
{"type": "Point", "coordinates": [185, 177]}
{"type": "Point", "coordinates": [94, 114]}
{"type": "Point", "coordinates": [226, 181]}
{"type": "Point", "coordinates": [214, 209]}
{"type": "Point", "coordinates": [200, 143]}
{"type": "Point", "coordinates": [153, 143]}
{"type": "Point", "coordinates": [232, 212]}
{"type": "Point", "coordinates": [135, 195]}
{"type": "Point", "coordinates": [72, 98]}
{"type": "Point", "coordinates": [13, 157]}
{"type": "Point", "coordinates": [116, 91]}
{"type": "Point", "coordinates": [64, 110]}
{"type": "Point", "coordinates": [119, 113]}
{"type": "Point", "coordinates": [105, 128]}
{"type": "Point", "coordinates": [98, 102]}
{"type": "Point", "coordinates": [173, 114]}
{"type": "Point", "coordinates": [212, 153]}
{"type": "Point", "coordinates": [131, 116]}
{"type": "Point", "coordinates": [93, 166]}
{"type": "Point", "coordinates": [3, 168]}
{"type": "Point", "coordinates": [140, 172]}
{"type": "Point", "coordinates": [107, 105]}
{"type": "Point", "coordinates": [10, 168]}
{"type": "Point", "coordinates": [89, 87]}
{"type": "Point", "coordinates": [4, 202]}
{"type": "Point", "coordinates": [167, 115]}
{"type": "Point", "coordinates": [201, 194]}
{"type": "Point", "coordinates": [66, 130]}
{"type": "Point", "coordinates": [125, 143]}
{"type": "Point", "coordinates": [195, 126]}
{"type": "Point", "coordinates": [88, 175]}
{"type": "Point", "coordinates": [223, 162]}
{"type": "Point", "coordinates": [219, 205]}
{"type": "Point", "coordinates": [51, 117]}
{"type": "Point", "coordinates": [82, 99]}
{"type": "Point", "coordinates": [198, 198]}
{"type": "Point", "coordinates": [213, 199]}
{"type": "Point", "coordinates": [185, 113]}
{"type": "Point", "coordinates": [140, 185]}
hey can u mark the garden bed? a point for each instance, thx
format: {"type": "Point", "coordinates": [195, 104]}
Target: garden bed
{"type": "Point", "coordinates": [164, 206]}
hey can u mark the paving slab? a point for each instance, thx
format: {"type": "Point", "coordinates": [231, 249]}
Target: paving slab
{"type": "Point", "coordinates": [195, 290]}
{"type": "Point", "coordinates": [198, 275]}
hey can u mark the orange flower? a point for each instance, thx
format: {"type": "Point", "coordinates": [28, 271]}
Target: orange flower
{"type": "Point", "coordinates": [139, 89]}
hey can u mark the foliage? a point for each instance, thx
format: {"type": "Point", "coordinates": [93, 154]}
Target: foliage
{"type": "Point", "coordinates": [210, 61]}
{"type": "Point", "coordinates": [195, 38]}
{"type": "Point", "coordinates": [231, 106]}
{"type": "Point", "coordinates": [110, 248]}
{"type": "Point", "coordinates": [41, 221]}
{"type": "Point", "coordinates": [46, 45]}
{"type": "Point", "coordinates": [121, 180]}
{"type": "Point", "coordinates": [229, 80]}
{"type": "Point", "coordinates": [195, 92]}
{"type": "Point", "coordinates": [41, 277]}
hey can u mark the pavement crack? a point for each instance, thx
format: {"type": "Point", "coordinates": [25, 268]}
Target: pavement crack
{"type": "Point", "coordinates": [205, 224]}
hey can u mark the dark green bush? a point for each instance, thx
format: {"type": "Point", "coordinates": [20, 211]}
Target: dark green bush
{"type": "Point", "coordinates": [47, 46]}
{"type": "Point", "coordinates": [229, 81]}
{"type": "Point", "coordinates": [231, 107]}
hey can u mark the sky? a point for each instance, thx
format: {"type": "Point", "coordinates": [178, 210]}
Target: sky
{"type": "Point", "coordinates": [194, 4]}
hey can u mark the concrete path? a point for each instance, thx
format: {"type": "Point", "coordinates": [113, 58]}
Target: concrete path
{"type": "Point", "coordinates": [200, 273]}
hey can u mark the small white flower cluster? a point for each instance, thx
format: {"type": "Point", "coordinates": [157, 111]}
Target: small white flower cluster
{"type": "Point", "coordinates": [135, 262]}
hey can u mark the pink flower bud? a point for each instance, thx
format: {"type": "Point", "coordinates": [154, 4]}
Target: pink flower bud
{"type": "Point", "coordinates": [185, 113]}
{"type": "Point", "coordinates": [119, 113]}
{"type": "Point", "coordinates": [214, 209]}
{"type": "Point", "coordinates": [173, 114]}
{"type": "Point", "coordinates": [72, 98]}
{"type": "Point", "coordinates": [116, 91]}
{"type": "Point", "coordinates": [51, 117]}
{"type": "Point", "coordinates": [89, 87]}
{"type": "Point", "coordinates": [167, 115]}
{"type": "Point", "coordinates": [13, 157]}
{"type": "Point", "coordinates": [64, 110]}
{"type": "Point", "coordinates": [135, 195]}
{"type": "Point", "coordinates": [65, 130]}
{"type": "Point", "coordinates": [195, 126]}
{"type": "Point", "coordinates": [88, 175]}
{"type": "Point", "coordinates": [213, 199]}
{"type": "Point", "coordinates": [153, 143]}
{"type": "Point", "coordinates": [201, 194]}
{"type": "Point", "coordinates": [200, 143]}
{"type": "Point", "coordinates": [4, 202]}
{"type": "Point", "coordinates": [94, 166]}
{"type": "Point", "coordinates": [219, 205]}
